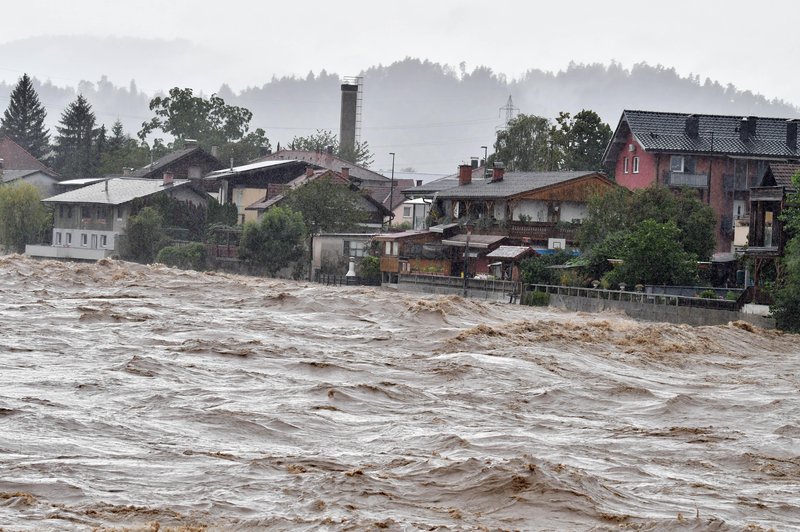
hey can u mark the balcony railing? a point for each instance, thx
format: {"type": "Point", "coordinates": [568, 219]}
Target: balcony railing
{"type": "Point", "coordinates": [766, 194]}
{"type": "Point", "coordinates": [542, 230]}
{"type": "Point", "coordinates": [680, 179]}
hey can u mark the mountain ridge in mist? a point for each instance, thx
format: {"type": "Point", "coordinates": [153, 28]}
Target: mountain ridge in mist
{"type": "Point", "coordinates": [432, 116]}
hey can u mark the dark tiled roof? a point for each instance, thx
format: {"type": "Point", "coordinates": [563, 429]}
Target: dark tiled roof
{"type": "Point", "coordinates": [513, 183]}
{"type": "Point", "coordinates": [326, 160]}
{"type": "Point", "coordinates": [443, 183]}
{"type": "Point", "coordinates": [781, 174]}
{"type": "Point", "coordinates": [666, 132]}
{"type": "Point", "coordinates": [153, 170]}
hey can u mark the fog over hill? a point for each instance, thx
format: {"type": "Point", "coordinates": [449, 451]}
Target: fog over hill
{"type": "Point", "coordinates": [432, 116]}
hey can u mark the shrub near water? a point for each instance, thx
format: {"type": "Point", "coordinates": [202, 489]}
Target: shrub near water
{"type": "Point", "coordinates": [536, 299]}
{"type": "Point", "coordinates": [188, 257]}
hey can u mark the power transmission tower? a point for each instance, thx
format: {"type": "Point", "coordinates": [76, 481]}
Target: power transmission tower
{"type": "Point", "coordinates": [510, 110]}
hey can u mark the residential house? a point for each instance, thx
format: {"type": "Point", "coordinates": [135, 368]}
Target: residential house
{"type": "Point", "coordinates": [17, 165]}
{"type": "Point", "coordinates": [411, 252]}
{"type": "Point", "coordinates": [767, 237]}
{"type": "Point", "coordinates": [45, 181]}
{"type": "Point", "coordinates": [719, 156]}
{"type": "Point", "coordinates": [192, 162]}
{"type": "Point", "coordinates": [543, 208]}
{"type": "Point", "coordinates": [254, 182]}
{"type": "Point", "coordinates": [88, 221]}
{"type": "Point", "coordinates": [331, 252]}
{"type": "Point", "coordinates": [327, 160]}
{"type": "Point", "coordinates": [377, 211]}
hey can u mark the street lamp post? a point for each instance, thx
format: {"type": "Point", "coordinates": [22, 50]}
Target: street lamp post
{"type": "Point", "coordinates": [391, 194]}
{"type": "Point", "coordinates": [485, 159]}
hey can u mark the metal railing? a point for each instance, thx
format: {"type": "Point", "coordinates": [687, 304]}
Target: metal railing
{"type": "Point", "coordinates": [636, 297]}
{"type": "Point", "coordinates": [470, 283]}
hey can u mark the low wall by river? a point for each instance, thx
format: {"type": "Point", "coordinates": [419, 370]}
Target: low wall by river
{"type": "Point", "coordinates": [659, 312]}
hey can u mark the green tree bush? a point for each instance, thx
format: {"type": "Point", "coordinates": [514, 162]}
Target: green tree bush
{"type": "Point", "coordinates": [77, 154]}
{"type": "Point", "coordinates": [22, 216]}
{"type": "Point", "coordinates": [23, 120]}
{"type": "Point", "coordinates": [274, 242]}
{"type": "Point", "coordinates": [188, 257]}
{"type": "Point", "coordinates": [144, 236]}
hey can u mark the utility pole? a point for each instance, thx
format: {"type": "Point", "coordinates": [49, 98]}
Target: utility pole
{"type": "Point", "coordinates": [391, 193]}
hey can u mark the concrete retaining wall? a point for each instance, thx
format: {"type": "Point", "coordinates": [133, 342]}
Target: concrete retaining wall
{"type": "Point", "coordinates": [449, 290]}
{"type": "Point", "coordinates": [658, 312]}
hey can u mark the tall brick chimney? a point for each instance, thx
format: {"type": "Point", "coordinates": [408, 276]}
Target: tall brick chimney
{"type": "Point", "coordinates": [692, 128]}
{"type": "Point", "coordinates": [498, 172]}
{"type": "Point", "coordinates": [168, 178]}
{"type": "Point", "coordinates": [309, 171]}
{"type": "Point", "coordinates": [464, 174]}
{"type": "Point", "coordinates": [346, 172]}
{"type": "Point", "coordinates": [791, 134]}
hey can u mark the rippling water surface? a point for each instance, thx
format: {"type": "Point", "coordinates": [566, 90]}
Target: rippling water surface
{"type": "Point", "coordinates": [141, 396]}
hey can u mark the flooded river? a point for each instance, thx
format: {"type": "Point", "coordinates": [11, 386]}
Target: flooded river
{"type": "Point", "coordinates": [141, 396]}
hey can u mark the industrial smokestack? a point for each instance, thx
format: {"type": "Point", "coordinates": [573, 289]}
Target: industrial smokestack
{"type": "Point", "coordinates": [348, 122]}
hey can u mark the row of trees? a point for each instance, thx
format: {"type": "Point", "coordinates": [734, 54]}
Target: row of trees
{"type": "Point", "coordinates": [84, 148]}
{"type": "Point", "coordinates": [658, 235]}
{"type": "Point", "coordinates": [533, 143]}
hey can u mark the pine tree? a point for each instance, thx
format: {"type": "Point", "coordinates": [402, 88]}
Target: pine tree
{"type": "Point", "coordinates": [77, 142]}
{"type": "Point", "coordinates": [23, 121]}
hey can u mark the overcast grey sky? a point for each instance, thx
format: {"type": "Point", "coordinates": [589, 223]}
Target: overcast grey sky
{"type": "Point", "coordinates": [750, 44]}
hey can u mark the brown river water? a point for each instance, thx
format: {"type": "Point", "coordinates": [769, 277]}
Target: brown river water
{"type": "Point", "coordinates": [137, 397]}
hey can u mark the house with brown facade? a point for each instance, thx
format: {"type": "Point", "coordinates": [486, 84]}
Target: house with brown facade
{"type": "Point", "coordinates": [719, 156]}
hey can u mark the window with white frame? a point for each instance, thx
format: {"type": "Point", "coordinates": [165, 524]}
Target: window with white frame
{"type": "Point", "coordinates": [354, 248]}
{"type": "Point", "coordinates": [391, 248]}
{"type": "Point", "coordinates": [58, 238]}
{"type": "Point", "coordinates": [103, 241]}
{"type": "Point", "coordinates": [625, 168]}
{"type": "Point", "coordinates": [84, 239]}
{"type": "Point", "coordinates": [635, 165]}
{"type": "Point", "coordinates": [676, 163]}
{"type": "Point", "coordinates": [69, 239]}
{"type": "Point", "coordinates": [407, 211]}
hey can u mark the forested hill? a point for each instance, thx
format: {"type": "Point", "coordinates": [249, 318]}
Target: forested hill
{"type": "Point", "coordinates": [434, 116]}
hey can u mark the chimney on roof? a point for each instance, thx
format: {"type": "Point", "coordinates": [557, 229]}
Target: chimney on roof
{"type": "Point", "coordinates": [329, 150]}
{"type": "Point", "coordinates": [419, 182]}
{"type": "Point", "coordinates": [791, 134]}
{"type": "Point", "coordinates": [126, 171]}
{"type": "Point", "coordinates": [464, 174]}
{"type": "Point", "coordinates": [189, 143]}
{"type": "Point", "coordinates": [474, 162]}
{"type": "Point", "coordinates": [692, 126]}
{"type": "Point", "coordinates": [168, 178]}
{"type": "Point", "coordinates": [498, 172]}
{"type": "Point", "coordinates": [346, 172]}
{"type": "Point", "coordinates": [309, 171]}
{"type": "Point", "coordinates": [747, 128]}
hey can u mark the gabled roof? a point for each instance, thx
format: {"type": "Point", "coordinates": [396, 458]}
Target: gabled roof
{"type": "Point", "coordinates": [430, 188]}
{"type": "Point", "coordinates": [780, 175]}
{"type": "Point", "coordinates": [249, 168]}
{"type": "Point", "coordinates": [510, 252]}
{"type": "Point", "coordinates": [12, 175]}
{"type": "Point", "coordinates": [327, 160]}
{"type": "Point", "coordinates": [514, 183]}
{"type": "Point", "coordinates": [154, 169]}
{"type": "Point", "coordinates": [384, 194]}
{"type": "Point", "coordinates": [718, 134]}
{"type": "Point", "coordinates": [15, 157]}
{"type": "Point", "coordinates": [117, 191]}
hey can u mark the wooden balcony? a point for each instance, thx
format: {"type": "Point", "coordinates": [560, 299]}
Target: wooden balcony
{"type": "Point", "coordinates": [542, 230]}
{"type": "Point", "coordinates": [766, 194]}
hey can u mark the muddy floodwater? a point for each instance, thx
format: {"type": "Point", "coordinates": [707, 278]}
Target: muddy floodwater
{"type": "Point", "coordinates": [141, 397]}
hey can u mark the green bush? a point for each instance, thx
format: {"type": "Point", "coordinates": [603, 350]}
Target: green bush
{"type": "Point", "coordinates": [731, 296]}
{"type": "Point", "coordinates": [536, 299]}
{"type": "Point", "coordinates": [370, 267]}
{"type": "Point", "coordinates": [188, 257]}
{"type": "Point", "coordinates": [708, 294]}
